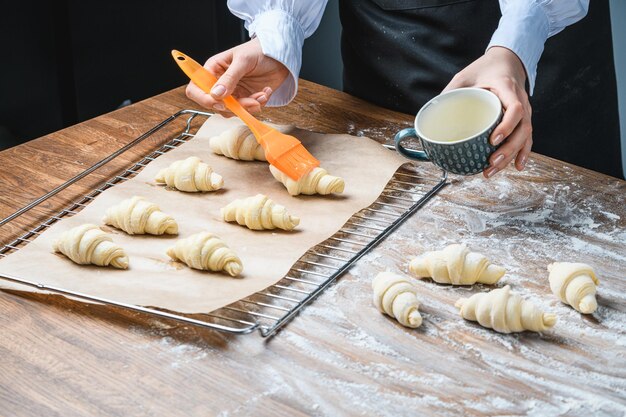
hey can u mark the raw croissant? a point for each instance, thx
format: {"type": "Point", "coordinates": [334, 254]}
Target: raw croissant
{"type": "Point", "coordinates": [259, 213]}
{"type": "Point", "coordinates": [190, 175]}
{"type": "Point", "coordinates": [574, 284]}
{"type": "Point", "coordinates": [505, 312]}
{"type": "Point", "coordinates": [138, 216]}
{"type": "Point", "coordinates": [318, 181]}
{"type": "Point", "coordinates": [238, 143]}
{"type": "Point", "coordinates": [397, 297]}
{"type": "Point", "coordinates": [87, 244]}
{"type": "Point", "coordinates": [207, 252]}
{"type": "Point", "coordinates": [456, 265]}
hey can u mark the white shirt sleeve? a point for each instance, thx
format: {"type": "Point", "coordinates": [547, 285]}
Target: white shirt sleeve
{"type": "Point", "coordinates": [281, 26]}
{"type": "Point", "coordinates": [527, 24]}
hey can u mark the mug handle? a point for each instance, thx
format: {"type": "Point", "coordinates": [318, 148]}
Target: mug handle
{"type": "Point", "coordinates": [409, 132]}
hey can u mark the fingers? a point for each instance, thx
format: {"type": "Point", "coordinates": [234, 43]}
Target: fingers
{"type": "Point", "coordinates": [518, 143]}
{"type": "Point", "coordinates": [522, 156]}
{"type": "Point", "coordinates": [263, 96]}
{"type": "Point", "coordinates": [255, 103]}
{"type": "Point", "coordinates": [458, 81]}
{"type": "Point", "coordinates": [207, 101]}
{"type": "Point", "coordinates": [218, 63]}
{"type": "Point", "coordinates": [252, 104]}
{"type": "Point", "coordinates": [228, 81]}
{"type": "Point", "coordinates": [235, 69]}
{"type": "Point", "coordinates": [515, 109]}
{"type": "Point", "coordinates": [194, 93]}
{"type": "Point", "coordinates": [515, 127]}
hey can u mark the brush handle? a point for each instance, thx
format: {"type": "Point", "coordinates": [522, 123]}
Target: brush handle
{"type": "Point", "coordinates": [205, 80]}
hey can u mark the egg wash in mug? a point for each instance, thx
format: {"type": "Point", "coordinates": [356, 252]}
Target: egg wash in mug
{"type": "Point", "coordinates": [455, 117]}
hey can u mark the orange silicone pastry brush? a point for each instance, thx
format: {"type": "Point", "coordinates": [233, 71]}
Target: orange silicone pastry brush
{"type": "Point", "coordinates": [283, 151]}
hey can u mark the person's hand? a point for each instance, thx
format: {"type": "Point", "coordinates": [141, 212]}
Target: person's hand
{"type": "Point", "coordinates": [502, 72]}
{"type": "Point", "coordinates": [243, 72]}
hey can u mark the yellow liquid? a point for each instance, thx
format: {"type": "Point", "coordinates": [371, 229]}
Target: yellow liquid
{"type": "Point", "coordinates": [456, 117]}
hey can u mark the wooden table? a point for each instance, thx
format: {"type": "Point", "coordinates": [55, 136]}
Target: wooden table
{"type": "Point", "coordinates": [340, 356]}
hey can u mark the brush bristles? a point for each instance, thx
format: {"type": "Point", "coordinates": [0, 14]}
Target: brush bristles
{"type": "Point", "coordinates": [296, 163]}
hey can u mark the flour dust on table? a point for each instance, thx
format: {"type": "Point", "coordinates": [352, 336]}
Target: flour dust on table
{"type": "Point", "coordinates": [525, 221]}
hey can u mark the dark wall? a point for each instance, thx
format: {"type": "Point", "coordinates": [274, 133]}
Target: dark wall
{"type": "Point", "coordinates": [28, 71]}
{"type": "Point", "coordinates": [321, 55]}
{"type": "Point", "coordinates": [67, 61]}
{"type": "Point", "coordinates": [618, 17]}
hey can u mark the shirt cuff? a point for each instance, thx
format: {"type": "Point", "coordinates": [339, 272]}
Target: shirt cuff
{"type": "Point", "coordinates": [281, 37]}
{"type": "Point", "coordinates": [524, 29]}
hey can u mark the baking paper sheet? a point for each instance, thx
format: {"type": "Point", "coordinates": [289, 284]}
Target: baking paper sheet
{"type": "Point", "coordinates": [153, 280]}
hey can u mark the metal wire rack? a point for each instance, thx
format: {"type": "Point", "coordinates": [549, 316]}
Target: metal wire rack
{"type": "Point", "coordinates": [270, 309]}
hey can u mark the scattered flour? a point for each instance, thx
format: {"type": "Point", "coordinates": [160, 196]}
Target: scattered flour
{"type": "Point", "coordinates": [574, 369]}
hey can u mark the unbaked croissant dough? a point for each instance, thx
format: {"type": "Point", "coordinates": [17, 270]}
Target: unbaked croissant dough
{"type": "Point", "coordinates": [259, 213]}
{"type": "Point", "coordinates": [87, 244]}
{"type": "Point", "coordinates": [136, 215]}
{"type": "Point", "coordinates": [318, 181]}
{"type": "Point", "coordinates": [207, 252]}
{"type": "Point", "coordinates": [191, 175]}
{"type": "Point", "coordinates": [574, 284]}
{"type": "Point", "coordinates": [238, 143]}
{"type": "Point", "coordinates": [397, 297]}
{"type": "Point", "coordinates": [455, 264]}
{"type": "Point", "coordinates": [505, 312]}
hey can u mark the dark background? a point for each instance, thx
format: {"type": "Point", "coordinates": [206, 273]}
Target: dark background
{"type": "Point", "coordinates": [69, 60]}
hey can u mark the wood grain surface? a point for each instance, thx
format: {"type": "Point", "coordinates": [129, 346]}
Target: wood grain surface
{"type": "Point", "coordinates": [340, 356]}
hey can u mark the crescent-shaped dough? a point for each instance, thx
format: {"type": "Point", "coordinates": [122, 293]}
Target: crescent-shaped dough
{"type": "Point", "coordinates": [207, 252]}
{"type": "Point", "coordinates": [456, 265]}
{"type": "Point", "coordinates": [136, 215]}
{"type": "Point", "coordinates": [87, 244]}
{"type": "Point", "coordinates": [259, 213]}
{"type": "Point", "coordinates": [238, 143]}
{"type": "Point", "coordinates": [505, 312]}
{"type": "Point", "coordinates": [318, 181]}
{"type": "Point", "coordinates": [575, 284]}
{"type": "Point", "coordinates": [397, 297]}
{"type": "Point", "coordinates": [191, 175]}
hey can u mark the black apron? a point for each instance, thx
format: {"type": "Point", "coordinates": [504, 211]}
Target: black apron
{"type": "Point", "coordinates": [401, 53]}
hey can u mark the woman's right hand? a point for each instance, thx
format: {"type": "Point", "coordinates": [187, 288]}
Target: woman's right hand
{"type": "Point", "coordinates": [502, 72]}
{"type": "Point", "coordinates": [243, 72]}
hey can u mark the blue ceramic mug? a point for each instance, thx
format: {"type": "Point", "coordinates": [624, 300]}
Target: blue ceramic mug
{"type": "Point", "coordinates": [454, 130]}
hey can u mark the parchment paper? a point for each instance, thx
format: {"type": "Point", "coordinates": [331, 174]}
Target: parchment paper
{"type": "Point", "coordinates": [153, 280]}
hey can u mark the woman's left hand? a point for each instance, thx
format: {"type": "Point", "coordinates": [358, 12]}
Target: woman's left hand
{"type": "Point", "coordinates": [501, 71]}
